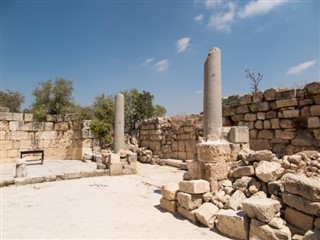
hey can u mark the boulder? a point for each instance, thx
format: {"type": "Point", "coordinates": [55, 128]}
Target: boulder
{"type": "Point", "coordinates": [169, 191]}
{"type": "Point", "coordinates": [234, 224]}
{"type": "Point", "coordinates": [170, 206]}
{"type": "Point", "coordinates": [308, 188]}
{"type": "Point", "coordinates": [194, 186]}
{"type": "Point", "coordinates": [269, 171]}
{"type": "Point", "coordinates": [189, 201]}
{"type": "Point", "coordinates": [242, 183]}
{"type": "Point", "coordinates": [187, 214]}
{"type": "Point", "coordinates": [243, 171]}
{"type": "Point", "coordinates": [206, 214]}
{"type": "Point", "coordinates": [262, 231]}
{"type": "Point", "coordinates": [235, 201]}
{"type": "Point", "coordinates": [299, 219]}
{"type": "Point", "coordinates": [261, 155]}
{"type": "Point", "coordinates": [301, 203]}
{"type": "Point", "coordinates": [264, 209]}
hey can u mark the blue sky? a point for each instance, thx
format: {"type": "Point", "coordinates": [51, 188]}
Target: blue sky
{"type": "Point", "coordinates": [158, 46]}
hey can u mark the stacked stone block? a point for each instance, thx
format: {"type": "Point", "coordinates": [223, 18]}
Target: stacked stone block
{"type": "Point", "coordinates": [121, 163]}
{"type": "Point", "coordinates": [60, 136]}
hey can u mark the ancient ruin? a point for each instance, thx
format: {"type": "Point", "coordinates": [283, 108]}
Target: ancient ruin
{"type": "Point", "coordinates": [245, 194]}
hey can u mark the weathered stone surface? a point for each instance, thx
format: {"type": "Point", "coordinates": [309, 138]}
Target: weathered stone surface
{"type": "Point", "coordinates": [239, 134]}
{"type": "Point", "coordinates": [206, 214]}
{"type": "Point", "coordinates": [301, 203]}
{"type": "Point", "coordinates": [115, 169]}
{"type": "Point", "coordinates": [234, 224]}
{"type": "Point", "coordinates": [235, 201]}
{"type": "Point", "coordinates": [302, 185]}
{"type": "Point", "coordinates": [264, 210]}
{"type": "Point", "coordinates": [169, 191]}
{"type": "Point", "coordinates": [242, 183]}
{"type": "Point", "coordinates": [299, 219]}
{"type": "Point", "coordinates": [269, 171]}
{"type": "Point", "coordinates": [275, 188]}
{"type": "Point", "coordinates": [261, 155]}
{"type": "Point", "coordinates": [243, 171]}
{"type": "Point", "coordinates": [215, 171]}
{"type": "Point", "coordinates": [187, 214]}
{"type": "Point", "coordinates": [286, 103]}
{"type": "Point", "coordinates": [213, 151]}
{"type": "Point", "coordinates": [317, 223]}
{"type": "Point", "coordinates": [262, 231]}
{"type": "Point", "coordinates": [170, 206]}
{"type": "Point", "coordinates": [194, 169]}
{"type": "Point", "coordinates": [312, 235]}
{"type": "Point", "coordinates": [194, 186]}
{"type": "Point", "coordinates": [189, 201]}
{"type": "Point", "coordinates": [21, 168]}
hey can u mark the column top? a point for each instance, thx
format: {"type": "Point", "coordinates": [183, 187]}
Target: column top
{"type": "Point", "coordinates": [214, 49]}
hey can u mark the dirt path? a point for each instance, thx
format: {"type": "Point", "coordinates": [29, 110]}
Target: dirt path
{"type": "Point", "coordinates": [124, 207]}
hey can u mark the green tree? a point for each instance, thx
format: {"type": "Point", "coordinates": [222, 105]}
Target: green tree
{"type": "Point", "coordinates": [103, 119]}
{"type": "Point", "coordinates": [11, 100]}
{"type": "Point", "coordinates": [159, 111]}
{"type": "Point", "coordinates": [52, 97]}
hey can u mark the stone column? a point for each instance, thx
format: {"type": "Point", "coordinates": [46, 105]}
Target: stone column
{"type": "Point", "coordinates": [21, 168]}
{"type": "Point", "coordinates": [119, 123]}
{"type": "Point", "coordinates": [212, 102]}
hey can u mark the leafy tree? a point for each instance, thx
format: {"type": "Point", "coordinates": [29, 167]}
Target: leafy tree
{"type": "Point", "coordinates": [159, 111]}
{"type": "Point", "coordinates": [11, 100]}
{"type": "Point", "coordinates": [254, 80]}
{"type": "Point", "coordinates": [103, 119]}
{"type": "Point", "coordinates": [52, 97]}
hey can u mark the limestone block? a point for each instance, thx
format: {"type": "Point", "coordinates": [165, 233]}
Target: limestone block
{"type": "Point", "coordinates": [258, 124]}
{"type": "Point", "coordinates": [28, 117]}
{"type": "Point", "coordinates": [264, 210]}
{"type": "Point", "coordinates": [61, 126]}
{"type": "Point", "coordinates": [266, 134]}
{"type": "Point", "coordinates": [243, 171]}
{"type": "Point", "coordinates": [234, 224]}
{"type": "Point", "coordinates": [14, 125]}
{"type": "Point", "coordinates": [213, 151]}
{"type": "Point", "coordinates": [239, 135]}
{"type": "Point", "coordinates": [269, 94]}
{"type": "Point", "coordinates": [317, 223]}
{"type": "Point", "coordinates": [302, 185]}
{"type": "Point", "coordinates": [17, 116]}
{"type": "Point", "coordinates": [235, 201]}
{"type": "Point", "coordinates": [260, 106]}
{"type": "Point", "coordinates": [286, 103]}
{"type": "Point", "coordinates": [260, 155]}
{"type": "Point", "coordinates": [169, 191]}
{"type": "Point", "coordinates": [261, 115]}
{"type": "Point", "coordinates": [250, 117]}
{"type": "Point", "coordinates": [206, 214]}
{"type": "Point", "coordinates": [262, 231]}
{"type": "Point", "coordinates": [114, 158]}
{"type": "Point", "coordinates": [299, 219]}
{"type": "Point", "coordinates": [194, 186]}
{"type": "Point", "coordinates": [275, 123]}
{"type": "Point", "coordinates": [21, 168]}
{"type": "Point", "coordinates": [288, 123]}
{"type": "Point", "coordinates": [182, 155]}
{"type": "Point", "coordinates": [115, 169]}
{"type": "Point", "coordinates": [215, 171]}
{"type": "Point", "coordinates": [315, 110]}
{"type": "Point", "coordinates": [267, 124]}
{"type": "Point", "coordinates": [243, 183]}
{"type": "Point", "coordinates": [189, 201]}
{"type": "Point", "coordinates": [6, 145]}
{"type": "Point", "coordinates": [275, 188]}
{"type": "Point", "coordinates": [187, 214]}
{"type": "Point", "coordinates": [269, 171]}
{"type": "Point", "coordinates": [87, 143]}
{"type": "Point", "coordinates": [314, 122]}
{"type": "Point", "coordinates": [170, 206]}
{"type": "Point", "coordinates": [312, 235]}
{"type": "Point", "coordinates": [291, 113]}
{"type": "Point", "coordinates": [194, 169]}
{"type": "Point", "coordinates": [286, 134]}
{"type": "Point", "coordinates": [301, 203]}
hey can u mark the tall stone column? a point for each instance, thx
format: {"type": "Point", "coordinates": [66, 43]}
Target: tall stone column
{"type": "Point", "coordinates": [119, 123]}
{"type": "Point", "coordinates": [212, 103]}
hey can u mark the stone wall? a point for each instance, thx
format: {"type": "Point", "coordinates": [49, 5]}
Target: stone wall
{"type": "Point", "coordinates": [60, 136]}
{"type": "Point", "coordinates": [283, 121]}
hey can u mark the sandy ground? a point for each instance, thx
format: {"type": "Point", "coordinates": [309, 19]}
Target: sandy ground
{"type": "Point", "coordinates": [120, 207]}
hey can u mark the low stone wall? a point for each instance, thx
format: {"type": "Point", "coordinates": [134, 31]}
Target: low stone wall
{"type": "Point", "coordinates": [283, 121]}
{"type": "Point", "coordinates": [60, 136]}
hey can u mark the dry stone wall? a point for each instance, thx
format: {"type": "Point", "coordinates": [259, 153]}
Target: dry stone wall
{"type": "Point", "coordinates": [60, 136]}
{"type": "Point", "coordinates": [283, 121]}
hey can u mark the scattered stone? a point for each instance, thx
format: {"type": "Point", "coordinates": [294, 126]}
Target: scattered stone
{"type": "Point", "coordinates": [262, 231]}
{"type": "Point", "coordinates": [242, 183]}
{"type": "Point", "coordinates": [235, 201]}
{"type": "Point", "coordinates": [169, 191]}
{"type": "Point", "coordinates": [312, 235]}
{"type": "Point", "coordinates": [277, 223]}
{"type": "Point", "coordinates": [299, 219]}
{"type": "Point", "coordinates": [207, 196]}
{"type": "Point", "coordinates": [194, 186]}
{"type": "Point", "coordinates": [170, 206]}
{"type": "Point", "coordinates": [234, 224]}
{"type": "Point", "coordinates": [264, 210]}
{"type": "Point", "coordinates": [189, 201]}
{"type": "Point", "coordinates": [243, 171]}
{"type": "Point", "coordinates": [269, 171]}
{"type": "Point", "coordinates": [187, 214]}
{"type": "Point", "coordinates": [206, 214]}
{"type": "Point", "coordinates": [275, 188]}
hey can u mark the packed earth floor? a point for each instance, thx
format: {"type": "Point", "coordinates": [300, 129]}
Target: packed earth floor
{"type": "Point", "coordinates": [117, 207]}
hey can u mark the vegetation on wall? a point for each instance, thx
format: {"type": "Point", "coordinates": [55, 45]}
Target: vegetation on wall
{"type": "Point", "coordinates": [11, 100]}
{"type": "Point", "coordinates": [255, 80]}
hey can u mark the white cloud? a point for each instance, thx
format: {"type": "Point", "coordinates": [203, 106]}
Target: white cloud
{"type": "Point", "coordinates": [183, 44]}
{"type": "Point", "coordinates": [301, 67]}
{"type": "Point", "coordinates": [212, 3]}
{"type": "Point", "coordinates": [259, 7]}
{"type": "Point", "coordinates": [147, 61]}
{"type": "Point", "coordinates": [198, 92]}
{"type": "Point", "coordinates": [162, 65]}
{"type": "Point", "coordinates": [198, 18]}
{"type": "Point", "coordinates": [222, 20]}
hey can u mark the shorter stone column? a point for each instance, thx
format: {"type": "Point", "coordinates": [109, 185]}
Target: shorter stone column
{"type": "Point", "coordinates": [21, 168]}
{"type": "Point", "coordinates": [119, 123]}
